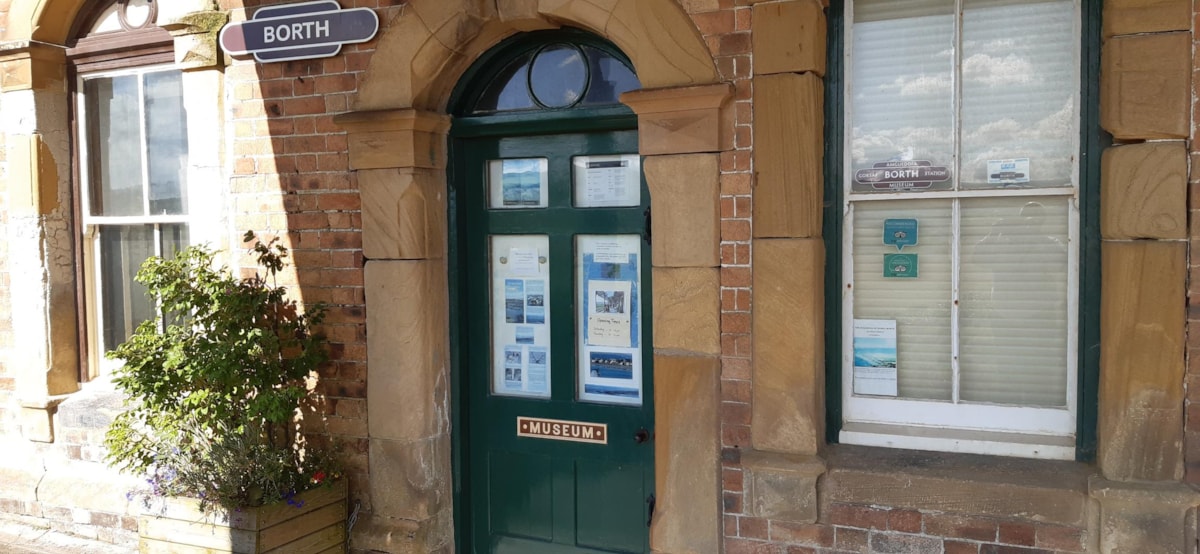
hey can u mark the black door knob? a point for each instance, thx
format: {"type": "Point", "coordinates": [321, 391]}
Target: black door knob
{"type": "Point", "coordinates": [642, 435]}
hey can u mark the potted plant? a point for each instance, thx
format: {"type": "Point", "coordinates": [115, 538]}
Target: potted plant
{"type": "Point", "coordinates": [215, 386]}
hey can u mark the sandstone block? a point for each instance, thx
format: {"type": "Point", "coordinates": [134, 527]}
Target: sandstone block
{"type": "Point", "coordinates": [88, 486]}
{"type": "Point", "coordinates": [1145, 517]}
{"type": "Point", "coordinates": [410, 480]}
{"type": "Point", "coordinates": [687, 517]}
{"type": "Point", "coordinates": [1145, 85]}
{"type": "Point", "coordinates": [1143, 191]}
{"type": "Point", "coordinates": [403, 213]}
{"type": "Point", "coordinates": [781, 486]}
{"type": "Point", "coordinates": [789, 344]}
{"type": "Point", "coordinates": [789, 37]}
{"type": "Point", "coordinates": [407, 356]}
{"type": "Point", "coordinates": [395, 138]}
{"type": "Point", "coordinates": [1142, 316]}
{"type": "Point", "coordinates": [687, 303]}
{"type": "Point", "coordinates": [1127, 17]}
{"type": "Point", "coordinates": [683, 120]}
{"type": "Point", "coordinates": [788, 149]}
{"type": "Point", "coordinates": [660, 38]}
{"type": "Point", "coordinates": [1052, 492]}
{"type": "Point", "coordinates": [378, 533]}
{"type": "Point", "coordinates": [40, 67]}
{"type": "Point", "coordinates": [685, 193]}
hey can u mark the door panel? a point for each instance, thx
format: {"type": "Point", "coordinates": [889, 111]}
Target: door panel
{"type": "Point", "coordinates": [531, 494]}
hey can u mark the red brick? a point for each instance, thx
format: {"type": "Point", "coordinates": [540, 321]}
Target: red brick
{"type": "Point", "coordinates": [735, 368]}
{"type": "Point", "coordinates": [731, 479]}
{"type": "Point", "coordinates": [960, 547]}
{"type": "Point", "coordinates": [803, 533]}
{"type": "Point", "coordinates": [849, 538]}
{"type": "Point", "coordinates": [733, 43]}
{"type": "Point", "coordinates": [1018, 533]}
{"type": "Point", "coordinates": [752, 528]}
{"type": "Point", "coordinates": [853, 515]}
{"type": "Point", "coordinates": [732, 502]}
{"type": "Point", "coordinates": [735, 229]}
{"type": "Point", "coordinates": [735, 436]}
{"type": "Point", "coordinates": [960, 527]}
{"type": "Point", "coordinates": [1009, 549]}
{"type": "Point", "coordinates": [735, 391]}
{"type": "Point", "coordinates": [735, 276]}
{"type": "Point", "coordinates": [905, 521]}
{"type": "Point", "coordinates": [747, 546]}
{"type": "Point", "coordinates": [733, 413]}
{"type": "Point", "coordinates": [735, 323]}
{"type": "Point", "coordinates": [895, 542]}
{"type": "Point", "coordinates": [714, 23]}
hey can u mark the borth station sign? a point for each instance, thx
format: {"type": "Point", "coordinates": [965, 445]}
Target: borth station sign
{"type": "Point", "coordinates": [301, 31]}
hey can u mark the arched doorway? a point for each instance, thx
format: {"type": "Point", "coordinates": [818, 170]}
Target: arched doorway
{"type": "Point", "coordinates": [550, 279]}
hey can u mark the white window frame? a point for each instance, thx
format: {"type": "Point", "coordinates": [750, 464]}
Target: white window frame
{"type": "Point", "coordinates": [90, 225]}
{"type": "Point", "coordinates": [954, 425]}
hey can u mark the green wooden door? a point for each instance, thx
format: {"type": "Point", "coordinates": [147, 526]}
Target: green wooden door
{"type": "Point", "coordinates": [553, 271]}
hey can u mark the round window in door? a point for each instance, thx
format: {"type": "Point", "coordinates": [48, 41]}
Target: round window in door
{"type": "Point", "coordinates": [550, 267]}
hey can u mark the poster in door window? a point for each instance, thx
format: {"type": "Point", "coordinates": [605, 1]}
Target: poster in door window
{"type": "Point", "coordinates": [520, 315]}
{"type": "Point", "coordinates": [517, 183]}
{"type": "Point", "coordinates": [608, 285]}
{"type": "Point", "coordinates": [610, 181]}
{"type": "Point", "coordinates": [875, 357]}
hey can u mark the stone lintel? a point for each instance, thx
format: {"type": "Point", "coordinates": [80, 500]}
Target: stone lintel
{"type": "Point", "coordinates": [407, 356]}
{"type": "Point", "coordinates": [33, 65]}
{"type": "Point", "coordinates": [1142, 317]}
{"type": "Point", "coordinates": [789, 37]}
{"type": "Point", "coordinates": [687, 310]}
{"type": "Point", "coordinates": [395, 138]}
{"type": "Point", "coordinates": [1047, 491]}
{"type": "Point", "coordinates": [683, 120]}
{"type": "Point", "coordinates": [781, 486]}
{"type": "Point", "coordinates": [687, 516]}
{"type": "Point", "coordinates": [1145, 86]}
{"type": "Point", "coordinates": [788, 412]}
{"type": "Point", "coordinates": [685, 193]}
{"type": "Point", "coordinates": [1145, 517]}
{"type": "Point", "coordinates": [1143, 191]}
{"type": "Point", "coordinates": [1128, 17]}
{"type": "Point", "coordinates": [788, 152]}
{"type": "Point", "coordinates": [404, 213]}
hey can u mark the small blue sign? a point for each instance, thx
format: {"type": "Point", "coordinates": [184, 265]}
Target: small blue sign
{"type": "Point", "coordinates": [900, 232]}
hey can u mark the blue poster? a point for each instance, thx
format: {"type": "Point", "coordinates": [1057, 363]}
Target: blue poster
{"type": "Point", "coordinates": [602, 299]}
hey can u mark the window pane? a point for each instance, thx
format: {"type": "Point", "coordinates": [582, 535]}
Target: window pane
{"type": "Point", "coordinates": [558, 76]}
{"type": "Point", "coordinates": [114, 146]}
{"type": "Point", "coordinates": [609, 78]}
{"type": "Point", "coordinates": [123, 248]}
{"type": "Point", "coordinates": [166, 129]}
{"type": "Point", "coordinates": [509, 90]}
{"type": "Point", "coordinates": [919, 305]}
{"type": "Point", "coordinates": [1013, 299]}
{"type": "Point", "coordinates": [1018, 93]}
{"type": "Point", "coordinates": [902, 91]}
{"type": "Point", "coordinates": [122, 251]}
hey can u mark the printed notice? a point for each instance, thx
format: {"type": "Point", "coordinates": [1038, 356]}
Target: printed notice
{"type": "Point", "coordinates": [512, 368]}
{"type": "Point", "coordinates": [875, 357]}
{"type": "Point", "coordinates": [607, 181]}
{"type": "Point", "coordinates": [536, 370]}
{"type": "Point", "coordinates": [522, 261]}
{"type": "Point", "coordinates": [608, 313]}
{"type": "Point", "coordinates": [609, 252]}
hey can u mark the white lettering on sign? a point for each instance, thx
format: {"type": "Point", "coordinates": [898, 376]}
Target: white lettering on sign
{"type": "Point", "coordinates": [556, 429]}
{"type": "Point", "coordinates": [296, 31]}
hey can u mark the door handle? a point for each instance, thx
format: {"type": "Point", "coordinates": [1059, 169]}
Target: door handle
{"type": "Point", "coordinates": [650, 500]}
{"type": "Point", "coordinates": [641, 436]}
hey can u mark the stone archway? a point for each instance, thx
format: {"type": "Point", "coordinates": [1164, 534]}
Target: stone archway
{"type": "Point", "coordinates": [397, 147]}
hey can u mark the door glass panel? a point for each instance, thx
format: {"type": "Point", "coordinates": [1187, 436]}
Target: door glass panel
{"type": "Point", "coordinates": [517, 183]}
{"type": "Point", "coordinates": [608, 281]}
{"type": "Point", "coordinates": [520, 270]}
{"type": "Point", "coordinates": [607, 181]}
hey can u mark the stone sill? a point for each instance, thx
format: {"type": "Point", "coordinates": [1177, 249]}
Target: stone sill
{"type": "Point", "coordinates": [1046, 491]}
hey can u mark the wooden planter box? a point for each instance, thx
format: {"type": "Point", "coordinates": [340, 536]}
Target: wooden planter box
{"type": "Point", "coordinates": [318, 526]}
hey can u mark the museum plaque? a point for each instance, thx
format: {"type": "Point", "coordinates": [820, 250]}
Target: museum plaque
{"type": "Point", "coordinates": [557, 429]}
